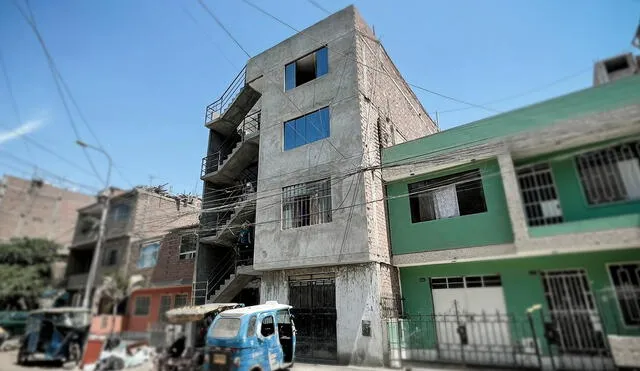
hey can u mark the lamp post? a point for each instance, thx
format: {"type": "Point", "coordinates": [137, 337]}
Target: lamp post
{"type": "Point", "coordinates": [103, 198]}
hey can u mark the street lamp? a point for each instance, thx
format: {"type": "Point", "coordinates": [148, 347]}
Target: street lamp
{"type": "Point", "coordinates": [103, 198]}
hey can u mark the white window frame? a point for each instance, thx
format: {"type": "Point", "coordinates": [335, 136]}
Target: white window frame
{"type": "Point", "coordinates": [190, 254]}
{"type": "Point", "coordinates": [615, 291]}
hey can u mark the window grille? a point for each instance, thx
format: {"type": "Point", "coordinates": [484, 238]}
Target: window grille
{"type": "Point", "coordinates": [539, 195]}
{"type": "Point", "coordinates": [626, 282]}
{"type": "Point", "coordinates": [611, 174]}
{"type": "Point", "coordinates": [306, 204]}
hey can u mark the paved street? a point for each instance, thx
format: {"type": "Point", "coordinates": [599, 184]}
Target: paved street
{"type": "Point", "coordinates": [7, 363]}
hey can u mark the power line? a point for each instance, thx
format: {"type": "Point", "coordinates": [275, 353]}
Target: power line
{"type": "Point", "coordinates": [54, 71]}
{"type": "Point", "coordinates": [526, 92]}
{"type": "Point", "coordinates": [206, 8]}
{"type": "Point", "coordinates": [60, 177]}
{"type": "Point", "coordinates": [315, 3]}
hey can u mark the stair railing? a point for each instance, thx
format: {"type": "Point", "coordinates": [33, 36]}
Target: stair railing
{"type": "Point", "coordinates": [222, 103]}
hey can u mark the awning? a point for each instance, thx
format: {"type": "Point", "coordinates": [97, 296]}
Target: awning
{"type": "Point", "coordinates": [196, 312]}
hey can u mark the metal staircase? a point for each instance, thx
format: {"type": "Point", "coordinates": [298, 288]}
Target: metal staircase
{"type": "Point", "coordinates": [226, 280]}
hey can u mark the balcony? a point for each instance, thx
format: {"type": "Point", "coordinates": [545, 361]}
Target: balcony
{"type": "Point", "coordinates": [114, 228]}
{"type": "Point", "coordinates": [226, 113]}
{"type": "Point", "coordinates": [219, 225]}
{"type": "Point", "coordinates": [224, 166]}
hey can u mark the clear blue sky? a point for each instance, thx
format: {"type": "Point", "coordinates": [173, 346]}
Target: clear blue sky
{"type": "Point", "coordinates": [143, 71]}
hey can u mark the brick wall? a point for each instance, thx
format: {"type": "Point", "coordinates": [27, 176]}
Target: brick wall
{"type": "Point", "coordinates": [170, 267]}
{"type": "Point", "coordinates": [390, 113]}
{"type": "Point", "coordinates": [39, 210]}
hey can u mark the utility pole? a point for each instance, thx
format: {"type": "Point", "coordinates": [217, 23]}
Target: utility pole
{"type": "Point", "coordinates": [104, 198]}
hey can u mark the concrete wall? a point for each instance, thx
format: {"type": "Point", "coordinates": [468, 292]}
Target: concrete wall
{"type": "Point", "coordinates": [29, 209]}
{"type": "Point", "coordinates": [344, 240]}
{"type": "Point", "coordinates": [357, 299]}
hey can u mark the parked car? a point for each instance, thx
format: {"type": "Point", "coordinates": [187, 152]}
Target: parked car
{"type": "Point", "coordinates": [13, 323]}
{"type": "Point", "coordinates": [259, 337]}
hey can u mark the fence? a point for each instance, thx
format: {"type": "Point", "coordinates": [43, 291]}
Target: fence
{"type": "Point", "coordinates": [496, 340]}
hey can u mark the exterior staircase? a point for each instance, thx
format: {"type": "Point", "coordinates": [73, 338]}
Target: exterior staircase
{"type": "Point", "coordinates": [225, 114]}
{"type": "Point", "coordinates": [226, 224]}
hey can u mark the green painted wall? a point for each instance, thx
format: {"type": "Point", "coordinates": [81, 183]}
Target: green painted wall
{"type": "Point", "coordinates": [592, 100]}
{"type": "Point", "coordinates": [489, 228]}
{"type": "Point", "coordinates": [522, 289]}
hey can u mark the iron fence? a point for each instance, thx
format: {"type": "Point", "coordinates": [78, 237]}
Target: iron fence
{"type": "Point", "coordinates": [222, 103]}
{"type": "Point", "coordinates": [495, 340]}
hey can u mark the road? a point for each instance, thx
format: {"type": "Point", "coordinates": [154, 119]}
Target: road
{"type": "Point", "coordinates": [8, 359]}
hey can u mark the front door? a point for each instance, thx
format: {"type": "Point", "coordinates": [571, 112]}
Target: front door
{"type": "Point", "coordinates": [313, 299]}
{"type": "Point", "coordinates": [573, 312]}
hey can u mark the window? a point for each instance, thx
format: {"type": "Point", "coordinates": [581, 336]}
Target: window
{"type": "Point", "coordinates": [120, 212]}
{"type": "Point", "coordinates": [447, 197]}
{"type": "Point", "coordinates": [306, 204]}
{"type": "Point", "coordinates": [539, 196]}
{"type": "Point", "coordinates": [148, 255]}
{"type": "Point", "coordinates": [251, 328]}
{"type": "Point", "coordinates": [626, 282]}
{"type": "Point", "coordinates": [306, 129]}
{"type": "Point", "coordinates": [141, 307]}
{"type": "Point", "coordinates": [187, 246]}
{"type": "Point", "coordinates": [465, 281]}
{"type": "Point", "coordinates": [110, 258]}
{"type": "Point", "coordinates": [226, 327]}
{"type": "Point", "coordinates": [307, 68]}
{"type": "Point", "coordinates": [611, 174]}
{"type": "Point", "coordinates": [165, 305]}
{"type": "Point", "coordinates": [267, 328]}
{"type": "Point", "coordinates": [180, 301]}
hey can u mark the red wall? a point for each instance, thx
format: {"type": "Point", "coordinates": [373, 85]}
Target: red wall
{"type": "Point", "coordinates": [142, 323]}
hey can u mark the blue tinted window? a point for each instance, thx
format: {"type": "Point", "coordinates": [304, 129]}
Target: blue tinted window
{"type": "Point", "coordinates": [322, 62]}
{"type": "Point", "coordinates": [290, 76]}
{"type": "Point", "coordinates": [306, 68]}
{"type": "Point", "coordinates": [306, 129]}
{"type": "Point", "coordinates": [289, 135]}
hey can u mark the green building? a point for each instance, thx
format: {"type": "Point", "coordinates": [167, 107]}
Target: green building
{"type": "Point", "coordinates": [517, 237]}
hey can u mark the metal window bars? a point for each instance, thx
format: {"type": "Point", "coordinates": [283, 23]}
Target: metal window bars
{"type": "Point", "coordinates": [221, 104]}
{"type": "Point", "coordinates": [539, 195]}
{"type": "Point", "coordinates": [611, 174]}
{"type": "Point", "coordinates": [306, 204]}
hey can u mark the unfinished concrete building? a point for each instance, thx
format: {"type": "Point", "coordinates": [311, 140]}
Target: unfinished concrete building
{"type": "Point", "coordinates": [294, 149]}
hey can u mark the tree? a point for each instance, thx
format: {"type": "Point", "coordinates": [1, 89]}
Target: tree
{"type": "Point", "coordinates": [25, 271]}
{"type": "Point", "coordinates": [115, 288]}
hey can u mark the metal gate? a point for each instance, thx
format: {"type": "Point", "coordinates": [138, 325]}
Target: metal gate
{"type": "Point", "coordinates": [314, 308]}
{"type": "Point", "coordinates": [573, 326]}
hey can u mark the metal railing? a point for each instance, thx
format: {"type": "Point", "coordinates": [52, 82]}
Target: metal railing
{"type": "Point", "coordinates": [493, 339]}
{"type": "Point", "coordinates": [225, 100]}
{"type": "Point", "coordinates": [249, 127]}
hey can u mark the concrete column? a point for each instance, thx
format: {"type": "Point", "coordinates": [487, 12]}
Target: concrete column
{"type": "Point", "coordinates": [514, 201]}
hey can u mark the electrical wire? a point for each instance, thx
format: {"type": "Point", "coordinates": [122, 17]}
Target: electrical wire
{"type": "Point", "coordinates": [315, 3]}
{"type": "Point", "coordinates": [206, 8]}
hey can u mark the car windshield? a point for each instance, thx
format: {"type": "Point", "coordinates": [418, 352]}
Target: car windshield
{"type": "Point", "coordinates": [226, 328]}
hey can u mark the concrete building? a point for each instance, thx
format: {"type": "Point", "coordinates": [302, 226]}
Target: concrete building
{"type": "Point", "coordinates": [35, 209]}
{"type": "Point", "coordinates": [137, 221]}
{"type": "Point", "coordinates": [535, 211]}
{"type": "Point", "coordinates": [294, 148]}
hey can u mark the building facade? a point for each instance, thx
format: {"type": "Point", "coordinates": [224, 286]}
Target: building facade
{"type": "Point", "coordinates": [517, 237]}
{"type": "Point", "coordinates": [137, 221]}
{"type": "Point", "coordinates": [35, 209]}
{"type": "Point", "coordinates": [293, 157]}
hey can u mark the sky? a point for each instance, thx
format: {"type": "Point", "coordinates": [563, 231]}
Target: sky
{"type": "Point", "coordinates": [142, 72]}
